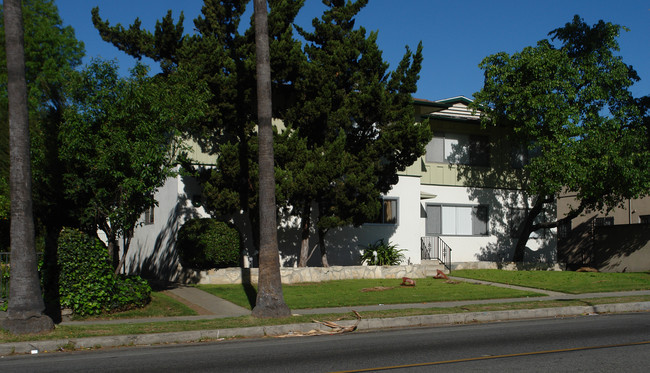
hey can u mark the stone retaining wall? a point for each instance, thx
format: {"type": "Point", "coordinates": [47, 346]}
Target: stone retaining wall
{"type": "Point", "coordinates": [316, 274]}
{"type": "Point", "coordinates": [319, 274]}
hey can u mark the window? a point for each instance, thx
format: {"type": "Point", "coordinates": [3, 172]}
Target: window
{"type": "Point", "coordinates": [148, 215]}
{"type": "Point", "coordinates": [644, 219]}
{"type": "Point", "coordinates": [388, 214]}
{"type": "Point", "coordinates": [457, 220]}
{"type": "Point", "coordinates": [458, 149]}
{"type": "Point", "coordinates": [600, 222]}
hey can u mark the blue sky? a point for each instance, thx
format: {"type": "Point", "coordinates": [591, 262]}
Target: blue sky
{"type": "Point", "coordinates": [456, 35]}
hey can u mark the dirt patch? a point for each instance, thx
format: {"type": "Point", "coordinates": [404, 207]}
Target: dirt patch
{"type": "Point", "coordinates": [376, 288]}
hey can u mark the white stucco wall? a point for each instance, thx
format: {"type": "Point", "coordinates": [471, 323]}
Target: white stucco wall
{"type": "Point", "coordinates": [412, 197]}
{"type": "Point", "coordinates": [151, 252]}
{"type": "Point", "coordinates": [498, 245]}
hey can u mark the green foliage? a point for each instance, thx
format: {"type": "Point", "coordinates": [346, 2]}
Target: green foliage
{"type": "Point", "coordinates": [86, 281]}
{"type": "Point", "coordinates": [567, 102]}
{"type": "Point", "coordinates": [352, 127]}
{"type": "Point", "coordinates": [207, 243]}
{"type": "Point", "coordinates": [119, 142]}
{"type": "Point", "coordinates": [381, 253]}
{"type": "Point", "coordinates": [571, 104]}
{"type": "Point", "coordinates": [339, 102]}
{"type": "Point", "coordinates": [4, 290]}
{"type": "Point", "coordinates": [5, 205]}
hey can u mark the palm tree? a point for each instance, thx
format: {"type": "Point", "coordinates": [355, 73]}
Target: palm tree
{"type": "Point", "coordinates": [270, 300]}
{"type": "Point", "coordinates": [26, 306]}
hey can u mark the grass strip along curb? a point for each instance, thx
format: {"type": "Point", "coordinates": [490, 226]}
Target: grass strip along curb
{"type": "Point", "coordinates": [297, 328]}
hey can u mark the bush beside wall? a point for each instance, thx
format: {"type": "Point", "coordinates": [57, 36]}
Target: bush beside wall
{"type": "Point", "coordinates": [206, 243]}
{"type": "Point", "coordinates": [87, 284]}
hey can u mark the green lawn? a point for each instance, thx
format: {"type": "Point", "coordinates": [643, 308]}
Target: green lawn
{"type": "Point", "coordinates": [565, 281]}
{"type": "Point", "coordinates": [344, 293]}
{"type": "Point", "coordinates": [349, 293]}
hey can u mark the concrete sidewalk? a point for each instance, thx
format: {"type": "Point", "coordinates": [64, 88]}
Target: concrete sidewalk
{"type": "Point", "coordinates": [218, 308]}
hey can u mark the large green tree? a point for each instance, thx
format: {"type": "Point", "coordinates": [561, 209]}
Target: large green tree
{"type": "Point", "coordinates": [119, 143]}
{"type": "Point", "coordinates": [224, 58]}
{"type": "Point", "coordinates": [567, 102]}
{"type": "Point", "coordinates": [352, 126]}
{"type": "Point", "coordinates": [26, 306]}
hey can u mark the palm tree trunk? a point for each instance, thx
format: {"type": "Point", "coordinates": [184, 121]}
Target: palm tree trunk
{"type": "Point", "coordinates": [26, 306]}
{"type": "Point", "coordinates": [270, 300]}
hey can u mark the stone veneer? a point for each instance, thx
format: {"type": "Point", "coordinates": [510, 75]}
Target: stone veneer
{"type": "Point", "coordinates": [317, 274]}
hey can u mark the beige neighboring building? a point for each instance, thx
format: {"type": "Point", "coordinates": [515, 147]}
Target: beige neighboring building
{"type": "Point", "coordinates": [614, 241]}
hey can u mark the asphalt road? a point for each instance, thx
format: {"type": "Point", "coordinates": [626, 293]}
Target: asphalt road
{"type": "Point", "coordinates": [600, 343]}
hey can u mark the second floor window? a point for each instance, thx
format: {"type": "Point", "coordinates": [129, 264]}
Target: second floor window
{"type": "Point", "coordinates": [453, 148]}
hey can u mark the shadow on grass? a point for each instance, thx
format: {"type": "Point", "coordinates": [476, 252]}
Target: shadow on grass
{"type": "Point", "coordinates": [249, 289]}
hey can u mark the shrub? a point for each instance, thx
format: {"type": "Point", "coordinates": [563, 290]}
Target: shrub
{"type": "Point", "coordinates": [382, 254]}
{"type": "Point", "coordinates": [207, 243]}
{"type": "Point", "coordinates": [86, 281]}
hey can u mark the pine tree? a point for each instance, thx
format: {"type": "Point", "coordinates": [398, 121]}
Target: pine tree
{"type": "Point", "coordinates": [352, 126]}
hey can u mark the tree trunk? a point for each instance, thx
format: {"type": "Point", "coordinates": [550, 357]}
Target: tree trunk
{"type": "Point", "coordinates": [305, 227]}
{"type": "Point", "coordinates": [270, 300]}
{"type": "Point", "coordinates": [323, 249]}
{"type": "Point", "coordinates": [527, 228]}
{"type": "Point", "coordinates": [126, 242]}
{"type": "Point", "coordinates": [26, 306]}
{"type": "Point", "coordinates": [112, 245]}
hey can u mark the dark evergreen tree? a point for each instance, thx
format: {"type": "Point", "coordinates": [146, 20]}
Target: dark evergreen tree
{"type": "Point", "coordinates": [352, 126]}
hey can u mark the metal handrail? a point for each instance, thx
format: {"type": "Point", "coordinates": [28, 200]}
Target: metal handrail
{"type": "Point", "coordinates": [435, 248]}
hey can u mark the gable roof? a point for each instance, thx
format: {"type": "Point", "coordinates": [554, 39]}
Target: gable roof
{"type": "Point", "coordinates": [457, 108]}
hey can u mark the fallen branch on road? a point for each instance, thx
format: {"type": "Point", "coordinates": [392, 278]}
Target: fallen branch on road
{"type": "Point", "coordinates": [336, 328]}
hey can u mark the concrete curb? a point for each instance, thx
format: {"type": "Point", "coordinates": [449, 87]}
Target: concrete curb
{"type": "Point", "coordinates": [278, 330]}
